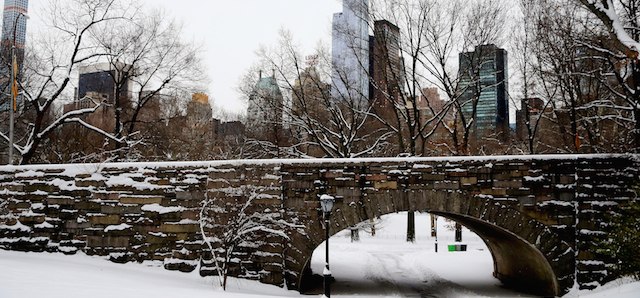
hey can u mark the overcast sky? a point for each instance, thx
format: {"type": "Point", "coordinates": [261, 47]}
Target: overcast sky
{"type": "Point", "coordinates": [232, 30]}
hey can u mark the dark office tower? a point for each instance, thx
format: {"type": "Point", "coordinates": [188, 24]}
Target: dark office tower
{"type": "Point", "coordinates": [14, 27]}
{"type": "Point", "coordinates": [385, 64]}
{"type": "Point", "coordinates": [534, 107]}
{"type": "Point", "coordinates": [484, 88]}
{"type": "Point", "coordinates": [98, 81]}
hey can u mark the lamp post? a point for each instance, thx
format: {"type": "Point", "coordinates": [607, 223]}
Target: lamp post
{"type": "Point", "coordinates": [326, 202]}
{"type": "Point", "coordinates": [14, 87]}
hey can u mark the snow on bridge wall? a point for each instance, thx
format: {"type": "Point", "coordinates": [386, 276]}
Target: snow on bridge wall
{"type": "Point", "coordinates": [538, 214]}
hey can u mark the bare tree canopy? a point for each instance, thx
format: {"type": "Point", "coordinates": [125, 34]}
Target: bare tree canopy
{"type": "Point", "coordinates": [144, 47]}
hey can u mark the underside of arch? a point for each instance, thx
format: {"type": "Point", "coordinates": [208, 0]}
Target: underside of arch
{"type": "Point", "coordinates": [517, 263]}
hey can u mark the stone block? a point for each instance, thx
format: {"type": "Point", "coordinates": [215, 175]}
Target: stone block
{"type": "Point", "coordinates": [61, 200]}
{"type": "Point", "coordinates": [17, 187]}
{"type": "Point", "coordinates": [433, 177]}
{"type": "Point", "coordinates": [468, 180]}
{"type": "Point", "coordinates": [108, 241]}
{"type": "Point", "coordinates": [32, 219]}
{"type": "Point", "coordinates": [105, 196]}
{"type": "Point", "coordinates": [222, 174]}
{"type": "Point", "coordinates": [87, 206]}
{"type": "Point", "coordinates": [74, 224]}
{"type": "Point", "coordinates": [494, 191]}
{"type": "Point", "coordinates": [513, 184]}
{"type": "Point", "coordinates": [90, 183]}
{"type": "Point", "coordinates": [331, 174]}
{"type": "Point", "coordinates": [447, 185]}
{"type": "Point", "coordinates": [104, 219]}
{"type": "Point", "coordinates": [179, 228]}
{"type": "Point", "coordinates": [120, 209]}
{"type": "Point", "coordinates": [39, 186]}
{"type": "Point", "coordinates": [271, 200]}
{"type": "Point", "coordinates": [273, 278]}
{"type": "Point", "coordinates": [190, 195]}
{"type": "Point", "coordinates": [457, 173]}
{"type": "Point", "coordinates": [182, 266]}
{"type": "Point", "coordinates": [142, 200]}
{"type": "Point", "coordinates": [377, 177]}
{"type": "Point", "coordinates": [385, 184]}
{"type": "Point", "coordinates": [77, 193]}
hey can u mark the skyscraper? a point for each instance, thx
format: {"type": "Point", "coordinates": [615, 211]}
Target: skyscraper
{"type": "Point", "coordinates": [264, 113]}
{"type": "Point", "coordinates": [99, 81]}
{"type": "Point", "coordinates": [385, 64]}
{"type": "Point", "coordinates": [484, 87]}
{"type": "Point", "coordinates": [14, 23]}
{"type": "Point", "coordinates": [15, 10]}
{"type": "Point", "coordinates": [350, 51]}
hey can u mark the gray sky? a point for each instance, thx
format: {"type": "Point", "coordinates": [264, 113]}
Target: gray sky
{"type": "Point", "coordinates": [232, 30]}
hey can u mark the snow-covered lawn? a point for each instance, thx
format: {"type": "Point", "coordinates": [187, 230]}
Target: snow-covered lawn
{"type": "Point", "coordinates": [380, 266]}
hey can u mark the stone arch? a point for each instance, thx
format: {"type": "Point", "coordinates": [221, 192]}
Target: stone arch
{"type": "Point", "coordinates": [527, 255]}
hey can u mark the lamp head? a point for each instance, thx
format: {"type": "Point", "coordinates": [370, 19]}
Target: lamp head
{"type": "Point", "coordinates": [326, 202]}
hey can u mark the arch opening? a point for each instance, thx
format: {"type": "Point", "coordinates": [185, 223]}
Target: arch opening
{"type": "Point", "coordinates": [517, 263]}
{"type": "Point", "coordinates": [483, 236]}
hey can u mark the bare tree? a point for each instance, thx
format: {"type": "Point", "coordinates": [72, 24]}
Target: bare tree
{"type": "Point", "coordinates": [80, 32]}
{"type": "Point", "coordinates": [620, 47]}
{"type": "Point", "coordinates": [149, 60]}
{"type": "Point", "coordinates": [229, 221]}
{"type": "Point", "coordinates": [66, 44]}
{"type": "Point", "coordinates": [583, 110]}
{"type": "Point", "coordinates": [334, 126]}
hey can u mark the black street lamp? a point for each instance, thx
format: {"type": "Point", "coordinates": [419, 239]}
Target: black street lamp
{"type": "Point", "coordinates": [326, 202]}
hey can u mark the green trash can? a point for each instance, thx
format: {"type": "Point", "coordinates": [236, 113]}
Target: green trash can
{"type": "Point", "coordinates": [452, 247]}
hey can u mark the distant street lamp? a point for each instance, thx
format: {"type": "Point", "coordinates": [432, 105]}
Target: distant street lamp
{"type": "Point", "coordinates": [14, 86]}
{"type": "Point", "coordinates": [326, 202]}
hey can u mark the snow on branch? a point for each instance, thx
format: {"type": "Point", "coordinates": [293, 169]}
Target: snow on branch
{"type": "Point", "coordinates": [605, 11]}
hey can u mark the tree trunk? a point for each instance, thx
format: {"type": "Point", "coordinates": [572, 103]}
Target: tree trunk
{"type": "Point", "coordinates": [411, 226]}
{"type": "Point", "coordinates": [458, 232]}
{"type": "Point", "coordinates": [433, 226]}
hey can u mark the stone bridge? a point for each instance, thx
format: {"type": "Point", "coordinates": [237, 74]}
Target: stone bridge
{"type": "Point", "coordinates": [539, 215]}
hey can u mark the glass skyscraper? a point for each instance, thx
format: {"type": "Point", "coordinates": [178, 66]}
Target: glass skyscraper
{"type": "Point", "coordinates": [484, 88]}
{"type": "Point", "coordinates": [14, 10]}
{"type": "Point", "coordinates": [350, 52]}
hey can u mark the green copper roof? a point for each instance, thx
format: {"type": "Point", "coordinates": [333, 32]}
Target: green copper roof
{"type": "Point", "coordinates": [270, 84]}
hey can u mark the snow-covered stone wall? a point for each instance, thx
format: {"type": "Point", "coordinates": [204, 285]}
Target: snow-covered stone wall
{"type": "Point", "coordinates": [540, 215]}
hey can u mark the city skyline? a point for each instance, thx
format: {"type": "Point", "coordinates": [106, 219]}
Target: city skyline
{"type": "Point", "coordinates": [230, 41]}
{"type": "Point", "coordinates": [309, 23]}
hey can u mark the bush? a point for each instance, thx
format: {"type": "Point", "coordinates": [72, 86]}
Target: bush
{"type": "Point", "coordinates": [623, 242]}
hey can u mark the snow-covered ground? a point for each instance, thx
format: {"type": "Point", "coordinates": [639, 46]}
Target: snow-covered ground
{"type": "Point", "coordinates": [380, 266]}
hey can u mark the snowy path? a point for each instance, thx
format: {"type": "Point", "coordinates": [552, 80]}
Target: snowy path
{"type": "Point", "coordinates": [397, 276]}
{"type": "Point", "coordinates": [387, 266]}
{"type": "Point", "coordinates": [407, 270]}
